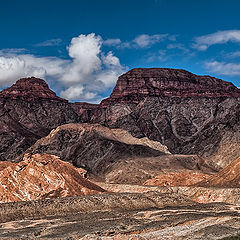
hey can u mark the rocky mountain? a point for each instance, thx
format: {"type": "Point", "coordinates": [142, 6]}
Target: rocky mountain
{"type": "Point", "coordinates": [190, 114]}
{"type": "Point", "coordinates": [43, 176]}
{"type": "Point", "coordinates": [153, 148]}
{"type": "Point", "coordinates": [29, 110]}
{"type": "Point", "coordinates": [114, 155]}
{"type": "Point", "coordinates": [137, 84]}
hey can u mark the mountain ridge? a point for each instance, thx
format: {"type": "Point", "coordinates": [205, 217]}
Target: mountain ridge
{"type": "Point", "coordinates": [207, 126]}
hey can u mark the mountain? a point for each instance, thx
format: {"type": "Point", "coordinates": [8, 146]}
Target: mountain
{"type": "Point", "coordinates": [43, 176]}
{"type": "Point", "coordinates": [29, 110]}
{"type": "Point", "coordinates": [189, 114]}
{"type": "Point", "coordinates": [30, 90]}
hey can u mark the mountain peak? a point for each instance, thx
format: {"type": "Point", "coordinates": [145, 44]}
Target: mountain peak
{"type": "Point", "coordinates": [139, 83]}
{"type": "Point", "coordinates": [30, 89]}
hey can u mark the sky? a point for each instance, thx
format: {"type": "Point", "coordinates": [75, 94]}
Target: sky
{"type": "Point", "coordinates": [80, 47]}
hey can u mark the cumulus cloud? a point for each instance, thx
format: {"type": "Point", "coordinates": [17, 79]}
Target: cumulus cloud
{"type": "Point", "coordinates": [86, 75]}
{"type": "Point", "coordinates": [140, 41]}
{"type": "Point", "coordinates": [84, 51]}
{"type": "Point", "coordinates": [23, 65]}
{"type": "Point", "coordinates": [203, 42]}
{"type": "Point", "coordinates": [223, 68]}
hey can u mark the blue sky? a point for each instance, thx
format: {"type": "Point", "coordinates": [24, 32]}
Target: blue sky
{"type": "Point", "coordinates": [81, 46]}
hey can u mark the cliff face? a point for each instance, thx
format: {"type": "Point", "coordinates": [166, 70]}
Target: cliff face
{"type": "Point", "coordinates": [189, 114]}
{"type": "Point", "coordinates": [139, 83]}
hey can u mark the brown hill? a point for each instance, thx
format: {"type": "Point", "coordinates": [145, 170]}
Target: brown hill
{"type": "Point", "coordinates": [43, 176]}
{"type": "Point", "coordinates": [227, 177]}
{"type": "Point", "coordinates": [29, 110]}
{"type": "Point", "coordinates": [114, 155]}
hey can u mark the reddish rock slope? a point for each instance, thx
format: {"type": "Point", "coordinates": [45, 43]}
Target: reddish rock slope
{"type": "Point", "coordinates": [228, 177]}
{"type": "Point", "coordinates": [30, 89]}
{"type": "Point", "coordinates": [43, 176]}
{"type": "Point", "coordinates": [140, 83]}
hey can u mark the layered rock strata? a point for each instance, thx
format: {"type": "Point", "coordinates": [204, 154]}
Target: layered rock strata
{"type": "Point", "coordinates": [43, 176]}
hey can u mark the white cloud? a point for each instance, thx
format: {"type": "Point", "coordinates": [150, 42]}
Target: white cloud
{"type": "Point", "coordinates": [25, 65]}
{"type": "Point", "coordinates": [84, 51]}
{"type": "Point", "coordinates": [144, 40]}
{"type": "Point", "coordinates": [110, 60]}
{"type": "Point", "coordinates": [160, 55]}
{"type": "Point", "coordinates": [13, 51]}
{"type": "Point", "coordinates": [86, 75]}
{"type": "Point", "coordinates": [220, 37]}
{"type": "Point", "coordinates": [140, 41]}
{"type": "Point", "coordinates": [223, 68]}
{"type": "Point", "coordinates": [112, 42]}
{"type": "Point", "coordinates": [73, 92]}
{"type": "Point", "coordinates": [177, 46]}
{"type": "Point", "coordinates": [49, 43]}
{"type": "Point", "coordinates": [233, 54]}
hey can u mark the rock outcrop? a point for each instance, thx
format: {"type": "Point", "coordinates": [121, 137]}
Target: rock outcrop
{"type": "Point", "coordinates": [113, 155]}
{"type": "Point", "coordinates": [43, 176]}
{"type": "Point", "coordinates": [139, 83]}
{"type": "Point", "coordinates": [228, 177]}
{"type": "Point", "coordinates": [29, 110]}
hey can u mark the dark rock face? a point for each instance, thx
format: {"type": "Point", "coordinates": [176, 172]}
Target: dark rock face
{"type": "Point", "coordinates": [189, 114]}
{"type": "Point", "coordinates": [92, 147]}
{"type": "Point", "coordinates": [29, 110]}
